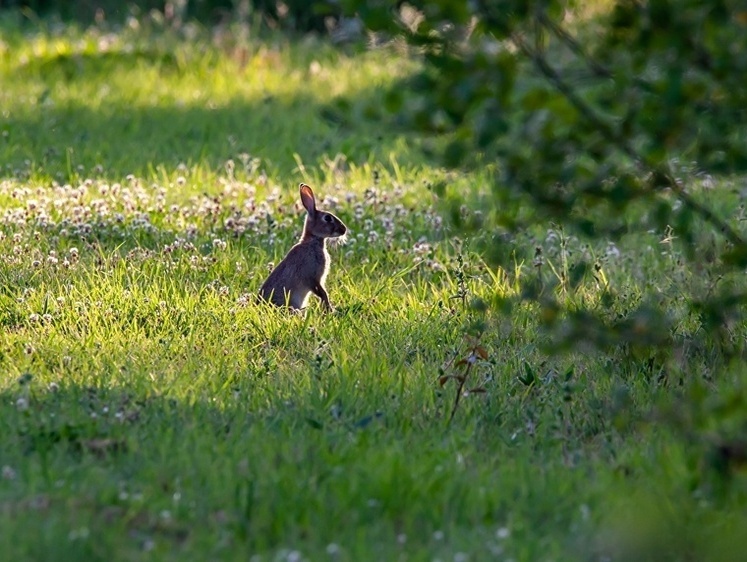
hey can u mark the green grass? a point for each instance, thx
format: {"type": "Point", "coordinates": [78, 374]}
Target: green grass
{"type": "Point", "coordinates": [150, 409]}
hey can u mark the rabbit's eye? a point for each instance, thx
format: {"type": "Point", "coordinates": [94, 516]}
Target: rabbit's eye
{"type": "Point", "coordinates": [327, 218]}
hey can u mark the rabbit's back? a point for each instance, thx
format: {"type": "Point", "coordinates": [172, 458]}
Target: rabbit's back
{"type": "Point", "coordinates": [305, 267]}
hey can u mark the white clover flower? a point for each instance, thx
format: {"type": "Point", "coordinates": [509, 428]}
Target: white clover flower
{"type": "Point", "coordinates": [612, 251]}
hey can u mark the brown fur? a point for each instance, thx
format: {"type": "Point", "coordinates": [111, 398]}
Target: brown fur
{"type": "Point", "coordinates": [306, 266]}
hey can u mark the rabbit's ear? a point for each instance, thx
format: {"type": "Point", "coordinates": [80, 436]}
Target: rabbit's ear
{"type": "Point", "coordinates": [307, 198]}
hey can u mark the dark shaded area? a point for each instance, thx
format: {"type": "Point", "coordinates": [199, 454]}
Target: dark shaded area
{"type": "Point", "coordinates": [123, 441]}
{"type": "Point", "coordinates": [296, 15]}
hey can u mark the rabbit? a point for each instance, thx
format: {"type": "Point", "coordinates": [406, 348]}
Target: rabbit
{"type": "Point", "coordinates": [306, 266]}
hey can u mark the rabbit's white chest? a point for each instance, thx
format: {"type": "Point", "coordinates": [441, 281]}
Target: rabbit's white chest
{"type": "Point", "coordinates": [324, 267]}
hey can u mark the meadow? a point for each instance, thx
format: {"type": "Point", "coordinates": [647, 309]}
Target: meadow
{"type": "Point", "coordinates": [150, 409]}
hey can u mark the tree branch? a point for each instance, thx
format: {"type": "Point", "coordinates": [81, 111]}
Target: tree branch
{"type": "Point", "coordinates": [622, 144]}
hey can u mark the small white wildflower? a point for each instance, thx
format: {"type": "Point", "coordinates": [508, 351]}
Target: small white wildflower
{"type": "Point", "coordinates": [333, 549]}
{"type": "Point", "coordinates": [219, 244]}
{"type": "Point", "coordinates": [438, 535]}
{"type": "Point", "coordinates": [22, 403]}
{"type": "Point", "coordinates": [461, 557]}
{"type": "Point", "coordinates": [402, 538]}
{"type": "Point", "coordinates": [612, 251]}
{"type": "Point", "coordinates": [8, 473]}
{"type": "Point", "coordinates": [503, 533]}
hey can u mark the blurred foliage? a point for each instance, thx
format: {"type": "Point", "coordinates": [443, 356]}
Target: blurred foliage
{"type": "Point", "coordinates": [297, 15]}
{"type": "Point", "coordinates": [610, 124]}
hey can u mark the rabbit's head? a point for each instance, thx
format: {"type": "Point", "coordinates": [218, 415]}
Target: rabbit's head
{"type": "Point", "coordinates": [319, 224]}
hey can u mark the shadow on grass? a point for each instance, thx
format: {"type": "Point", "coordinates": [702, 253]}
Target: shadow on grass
{"type": "Point", "coordinates": [111, 460]}
{"type": "Point", "coordinates": [111, 139]}
{"type": "Point", "coordinates": [132, 467]}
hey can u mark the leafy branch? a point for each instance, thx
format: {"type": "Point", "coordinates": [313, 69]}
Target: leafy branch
{"type": "Point", "coordinates": [658, 174]}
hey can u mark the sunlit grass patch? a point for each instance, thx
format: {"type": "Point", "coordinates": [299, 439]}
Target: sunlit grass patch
{"type": "Point", "coordinates": [151, 406]}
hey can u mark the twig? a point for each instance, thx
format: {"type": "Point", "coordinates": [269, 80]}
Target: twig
{"type": "Point", "coordinates": [460, 389]}
{"type": "Point", "coordinates": [574, 45]}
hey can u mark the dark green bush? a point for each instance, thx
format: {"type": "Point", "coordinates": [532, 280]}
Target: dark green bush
{"type": "Point", "coordinates": [605, 124]}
